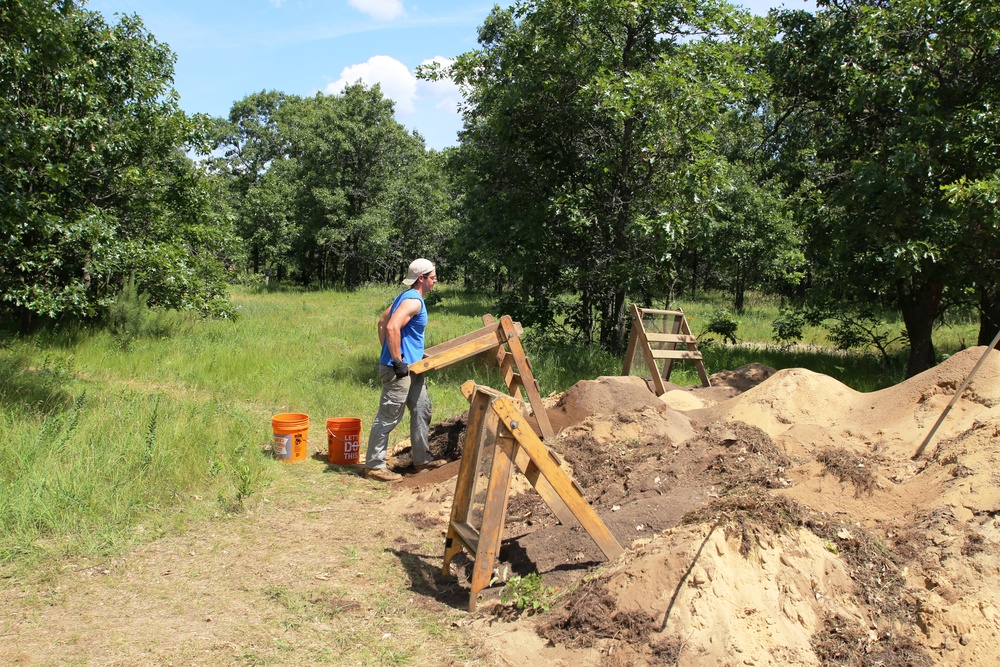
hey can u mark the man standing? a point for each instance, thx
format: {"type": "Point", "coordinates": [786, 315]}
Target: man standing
{"type": "Point", "coordinates": [401, 333]}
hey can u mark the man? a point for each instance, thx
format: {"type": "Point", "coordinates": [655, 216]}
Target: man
{"type": "Point", "coordinates": [401, 333]}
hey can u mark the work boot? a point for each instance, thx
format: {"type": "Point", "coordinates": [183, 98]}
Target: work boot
{"type": "Point", "coordinates": [382, 475]}
{"type": "Point", "coordinates": [430, 465]}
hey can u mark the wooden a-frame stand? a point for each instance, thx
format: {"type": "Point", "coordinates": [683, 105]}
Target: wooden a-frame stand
{"type": "Point", "coordinates": [513, 445]}
{"type": "Point", "coordinates": [493, 336]}
{"type": "Point", "coordinates": [675, 332]}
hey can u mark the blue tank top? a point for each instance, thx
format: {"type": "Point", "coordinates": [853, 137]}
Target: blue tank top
{"type": "Point", "coordinates": [412, 333]}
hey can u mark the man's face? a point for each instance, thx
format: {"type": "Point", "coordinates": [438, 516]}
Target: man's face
{"type": "Point", "coordinates": [430, 280]}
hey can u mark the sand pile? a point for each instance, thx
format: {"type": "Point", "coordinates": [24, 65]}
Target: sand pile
{"type": "Point", "coordinates": [774, 519]}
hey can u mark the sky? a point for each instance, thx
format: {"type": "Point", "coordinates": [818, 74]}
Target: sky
{"type": "Point", "coordinates": [228, 49]}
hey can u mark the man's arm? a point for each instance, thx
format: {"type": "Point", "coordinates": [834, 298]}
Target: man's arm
{"type": "Point", "coordinates": [382, 322]}
{"type": "Point", "coordinates": [404, 313]}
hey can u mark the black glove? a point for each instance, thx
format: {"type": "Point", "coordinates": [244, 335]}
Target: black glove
{"type": "Point", "coordinates": [402, 370]}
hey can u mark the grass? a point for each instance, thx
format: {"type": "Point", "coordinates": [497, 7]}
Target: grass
{"type": "Point", "coordinates": [101, 435]}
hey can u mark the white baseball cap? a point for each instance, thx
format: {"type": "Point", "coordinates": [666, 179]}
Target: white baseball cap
{"type": "Point", "coordinates": [418, 267]}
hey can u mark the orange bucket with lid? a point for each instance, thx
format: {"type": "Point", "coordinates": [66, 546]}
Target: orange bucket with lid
{"type": "Point", "coordinates": [291, 436]}
{"type": "Point", "coordinates": [343, 440]}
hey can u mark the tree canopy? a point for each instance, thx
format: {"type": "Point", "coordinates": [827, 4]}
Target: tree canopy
{"type": "Point", "coordinates": [97, 186]}
{"type": "Point", "coordinates": [889, 109]}
{"type": "Point", "coordinates": [590, 145]}
{"type": "Point", "coordinates": [331, 189]}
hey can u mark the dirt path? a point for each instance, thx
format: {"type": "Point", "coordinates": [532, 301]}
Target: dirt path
{"type": "Point", "coordinates": [318, 571]}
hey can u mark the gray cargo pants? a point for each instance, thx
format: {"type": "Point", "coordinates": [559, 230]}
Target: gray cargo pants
{"type": "Point", "coordinates": [397, 395]}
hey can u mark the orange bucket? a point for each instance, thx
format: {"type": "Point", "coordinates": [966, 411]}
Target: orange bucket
{"type": "Point", "coordinates": [344, 440]}
{"type": "Point", "coordinates": [291, 436]}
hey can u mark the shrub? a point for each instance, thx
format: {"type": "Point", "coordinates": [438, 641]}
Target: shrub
{"type": "Point", "coordinates": [722, 324]}
{"type": "Point", "coordinates": [527, 594]}
{"type": "Point", "coordinates": [130, 317]}
{"type": "Point", "coordinates": [788, 326]}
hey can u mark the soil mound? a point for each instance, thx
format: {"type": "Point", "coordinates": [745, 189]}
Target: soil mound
{"type": "Point", "coordinates": [605, 396]}
{"type": "Point", "coordinates": [743, 378]}
{"type": "Point", "coordinates": [774, 518]}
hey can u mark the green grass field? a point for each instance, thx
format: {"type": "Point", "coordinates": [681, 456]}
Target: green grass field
{"type": "Point", "coordinates": [107, 441]}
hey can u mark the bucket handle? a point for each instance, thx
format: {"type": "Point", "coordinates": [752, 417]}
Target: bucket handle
{"type": "Point", "coordinates": [343, 440]}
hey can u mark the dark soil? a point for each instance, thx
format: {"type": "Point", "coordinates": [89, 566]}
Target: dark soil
{"type": "Point", "coordinates": [640, 488]}
{"type": "Point", "coordinates": [589, 615]}
{"type": "Point", "coordinates": [843, 643]}
{"type": "Point", "coordinates": [637, 488]}
{"type": "Point", "coordinates": [445, 441]}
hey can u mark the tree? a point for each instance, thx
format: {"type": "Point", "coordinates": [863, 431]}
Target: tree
{"type": "Point", "coordinates": [976, 205]}
{"type": "Point", "coordinates": [332, 189]}
{"type": "Point", "coordinates": [889, 107]}
{"type": "Point", "coordinates": [255, 159]}
{"type": "Point", "coordinates": [589, 146]}
{"type": "Point", "coordinates": [749, 238]}
{"type": "Point", "coordinates": [753, 239]}
{"type": "Point", "coordinates": [415, 217]}
{"type": "Point", "coordinates": [348, 155]}
{"type": "Point", "coordinates": [96, 184]}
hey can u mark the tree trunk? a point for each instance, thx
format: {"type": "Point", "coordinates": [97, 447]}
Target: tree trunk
{"type": "Point", "coordinates": [351, 269]}
{"type": "Point", "coordinates": [26, 321]}
{"type": "Point", "coordinates": [920, 303]}
{"type": "Point", "coordinates": [739, 293]}
{"type": "Point", "coordinates": [989, 313]}
{"type": "Point", "coordinates": [586, 316]}
{"type": "Point", "coordinates": [694, 273]}
{"type": "Point", "coordinates": [613, 327]}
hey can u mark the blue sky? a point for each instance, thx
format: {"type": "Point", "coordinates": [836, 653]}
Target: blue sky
{"type": "Point", "coordinates": [228, 49]}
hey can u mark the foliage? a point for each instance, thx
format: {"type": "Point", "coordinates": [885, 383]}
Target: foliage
{"type": "Point", "coordinates": [847, 329]}
{"type": "Point", "coordinates": [96, 184]}
{"type": "Point", "coordinates": [864, 330]}
{"type": "Point", "coordinates": [887, 124]}
{"type": "Point", "coordinates": [723, 325]}
{"type": "Point", "coordinates": [788, 326]}
{"type": "Point", "coordinates": [331, 189]}
{"type": "Point", "coordinates": [254, 160]}
{"type": "Point", "coordinates": [749, 238]}
{"type": "Point", "coordinates": [753, 241]}
{"type": "Point", "coordinates": [527, 594]}
{"type": "Point", "coordinates": [130, 317]}
{"type": "Point", "coordinates": [589, 145]}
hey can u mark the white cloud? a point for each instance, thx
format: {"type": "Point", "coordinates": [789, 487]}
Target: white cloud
{"type": "Point", "coordinates": [384, 10]}
{"type": "Point", "coordinates": [395, 79]}
{"type": "Point", "coordinates": [430, 106]}
{"type": "Point", "coordinates": [277, 3]}
{"type": "Point", "coordinates": [445, 94]}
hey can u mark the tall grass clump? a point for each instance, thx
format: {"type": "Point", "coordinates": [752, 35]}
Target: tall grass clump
{"type": "Point", "coordinates": [86, 461]}
{"type": "Point", "coordinates": [82, 467]}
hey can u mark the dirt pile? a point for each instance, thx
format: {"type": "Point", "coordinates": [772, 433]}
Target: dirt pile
{"type": "Point", "coordinates": [775, 518]}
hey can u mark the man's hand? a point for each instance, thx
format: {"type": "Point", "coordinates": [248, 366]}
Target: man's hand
{"type": "Point", "coordinates": [400, 367]}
